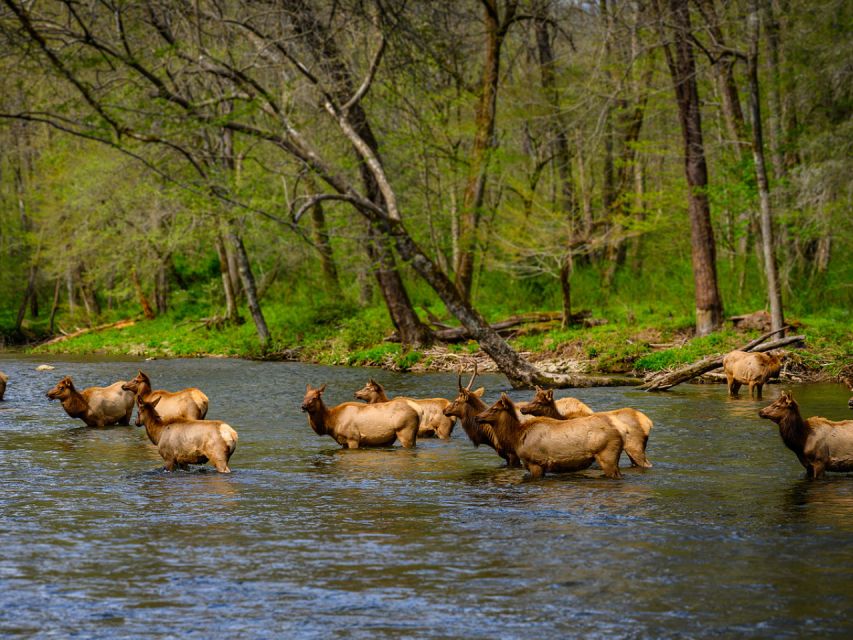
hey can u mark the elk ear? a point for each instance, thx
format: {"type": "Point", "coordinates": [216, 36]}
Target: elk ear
{"type": "Point", "coordinates": [550, 394]}
{"type": "Point", "coordinates": [155, 401]}
{"type": "Point", "coordinates": [322, 388]}
{"type": "Point", "coordinates": [538, 388]}
{"type": "Point", "coordinates": [505, 401]}
{"type": "Point", "coordinates": [479, 392]}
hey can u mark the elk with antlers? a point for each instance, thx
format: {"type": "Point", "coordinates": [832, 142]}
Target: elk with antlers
{"type": "Point", "coordinates": [634, 425]}
{"type": "Point", "coordinates": [545, 444]}
{"type": "Point", "coordinates": [189, 403]}
{"type": "Point", "coordinates": [354, 425]}
{"type": "Point", "coordinates": [433, 421]}
{"type": "Point", "coordinates": [96, 406]}
{"type": "Point", "coordinates": [466, 406]}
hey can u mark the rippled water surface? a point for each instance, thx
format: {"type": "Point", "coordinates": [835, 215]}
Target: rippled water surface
{"type": "Point", "coordinates": [724, 537]}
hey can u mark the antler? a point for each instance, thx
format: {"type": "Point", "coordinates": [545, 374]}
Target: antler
{"type": "Point", "coordinates": [471, 381]}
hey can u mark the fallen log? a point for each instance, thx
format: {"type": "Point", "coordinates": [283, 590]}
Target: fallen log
{"type": "Point", "coordinates": [504, 327]}
{"type": "Point", "coordinates": [667, 380]}
{"type": "Point", "coordinates": [121, 324]}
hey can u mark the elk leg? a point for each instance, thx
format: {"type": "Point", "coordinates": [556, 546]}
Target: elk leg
{"type": "Point", "coordinates": [730, 382]}
{"type": "Point", "coordinates": [170, 465]}
{"type": "Point", "coordinates": [445, 429]}
{"type": "Point", "coordinates": [815, 469]}
{"type": "Point", "coordinates": [608, 459]}
{"type": "Point", "coordinates": [221, 464]}
{"type": "Point", "coordinates": [635, 452]}
{"type": "Point", "coordinates": [512, 461]}
{"type": "Point", "coordinates": [352, 444]}
{"type": "Point", "coordinates": [408, 436]}
{"type": "Point", "coordinates": [734, 388]}
{"type": "Point", "coordinates": [758, 388]}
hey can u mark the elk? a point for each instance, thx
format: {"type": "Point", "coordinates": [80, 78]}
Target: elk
{"type": "Point", "coordinates": [567, 407]}
{"type": "Point", "coordinates": [633, 425]}
{"type": "Point", "coordinates": [4, 380]}
{"type": "Point", "coordinates": [183, 441]}
{"type": "Point", "coordinates": [354, 425]}
{"type": "Point", "coordinates": [466, 406]}
{"type": "Point", "coordinates": [189, 403]}
{"type": "Point", "coordinates": [433, 421]}
{"type": "Point", "coordinates": [545, 444]}
{"type": "Point", "coordinates": [819, 444]}
{"type": "Point", "coordinates": [96, 406]}
{"type": "Point", "coordinates": [753, 369]}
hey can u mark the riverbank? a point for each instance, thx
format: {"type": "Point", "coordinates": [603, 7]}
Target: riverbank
{"type": "Point", "coordinates": [626, 346]}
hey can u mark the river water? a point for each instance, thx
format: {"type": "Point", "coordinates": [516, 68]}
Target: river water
{"type": "Point", "coordinates": [724, 537]}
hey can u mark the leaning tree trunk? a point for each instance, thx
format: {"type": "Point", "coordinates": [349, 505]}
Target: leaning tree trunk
{"type": "Point", "coordinates": [248, 280]}
{"type": "Point", "coordinates": [774, 294]}
{"type": "Point", "coordinates": [709, 306]}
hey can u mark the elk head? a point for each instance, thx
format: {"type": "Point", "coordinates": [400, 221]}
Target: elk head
{"type": "Point", "coordinates": [133, 385]}
{"type": "Point", "coordinates": [784, 405]}
{"type": "Point", "coordinates": [463, 398]}
{"type": "Point", "coordinates": [542, 401]}
{"type": "Point", "coordinates": [147, 411]}
{"type": "Point", "coordinates": [494, 413]}
{"type": "Point", "coordinates": [370, 391]}
{"type": "Point", "coordinates": [62, 390]}
{"type": "Point", "coordinates": [313, 398]}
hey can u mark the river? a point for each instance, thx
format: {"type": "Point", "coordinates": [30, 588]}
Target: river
{"type": "Point", "coordinates": [724, 537]}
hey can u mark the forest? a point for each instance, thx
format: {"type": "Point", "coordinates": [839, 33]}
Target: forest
{"type": "Point", "coordinates": [302, 179]}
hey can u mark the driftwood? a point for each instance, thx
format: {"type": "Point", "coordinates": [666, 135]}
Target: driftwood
{"type": "Point", "coordinates": [504, 328]}
{"type": "Point", "coordinates": [121, 324]}
{"type": "Point", "coordinates": [667, 380]}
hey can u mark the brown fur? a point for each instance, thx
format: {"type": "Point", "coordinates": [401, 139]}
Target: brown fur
{"type": "Point", "coordinates": [466, 406]}
{"type": "Point", "coordinates": [4, 379]}
{"type": "Point", "coordinates": [433, 421]}
{"type": "Point", "coordinates": [634, 426]}
{"type": "Point", "coordinates": [546, 444]}
{"type": "Point", "coordinates": [354, 425]}
{"type": "Point", "coordinates": [189, 403]}
{"type": "Point", "coordinates": [819, 444]}
{"type": "Point", "coordinates": [752, 369]}
{"type": "Point", "coordinates": [182, 441]}
{"type": "Point", "coordinates": [96, 406]}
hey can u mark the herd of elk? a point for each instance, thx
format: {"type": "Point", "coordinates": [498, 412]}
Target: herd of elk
{"type": "Point", "coordinates": [433, 422]}
{"type": "Point", "coordinates": [544, 434]}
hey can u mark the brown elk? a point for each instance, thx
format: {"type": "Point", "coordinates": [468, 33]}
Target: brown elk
{"type": "Point", "coordinates": [819, 444]}
{"type": "Point", "coordinates": [354, 425]}
{"type": "Point", "coordinates": [96, 406]}
{"type": "Point", "coordinates": [466, 406]}
{"type": "Point", "coordinates": [433, 421]}
{"type": "Point", "coordinates": [749, 368]}
{"type": "Point", "coordinates": [183, 441]}
{"type": "Point", "coordinates": [633, 425]}
{"type": "Point", "coordinates": [545, 444]}
{"type": "Point", "coordinates": [567, 407]}
{"type": "Point", "coordinates": [4, 380]}
{"type": "Point", "coordinates": [189, 403]}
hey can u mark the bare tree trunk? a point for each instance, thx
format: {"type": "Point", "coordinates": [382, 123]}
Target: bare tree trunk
{"type": "Point", "coordinates": [69, 283]}
{"type": "Point", "coordinates": [161, 287]}
{"type": "Point", "coordinates": [248, 280]}
{"type": "Point", "coordinates": [566, 289]}
{"type": "Point", "coordinates": [54, 306]}
{"type": "Point", "coordinates": [776, 317]}
{"type": "Point", "coordinates": [140, 294]}
{"type": "Point", "coordinates": [28, 293]}
{"type": "Point", "coordinates": [709, 306]}
{"type": "Point", "coordinates": [230, 302]}
{"type": "Point", "coordinates": [324, 249]}
{"type": "Point", "coordinates": [475, 189]}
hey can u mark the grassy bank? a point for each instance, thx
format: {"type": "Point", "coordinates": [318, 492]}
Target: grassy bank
{"type": "Point", "coordinates": [348, 335]}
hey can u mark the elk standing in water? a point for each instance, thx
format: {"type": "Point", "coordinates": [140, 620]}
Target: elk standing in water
{"type": "Point", "coordinates": [634, 425]}
{"type": "Point", "coordinates": [466, 406]}
{"type": "Point", "coordinates": [189, 403]}
{"type": "Point", "coordinates": [750, 368]}
{"type": "Point", "coordinates": [433, 421]}
{"type": "Point", "coordinates": [96, 406]}
{"type": "Point", "coordinates": [4, 379]}
{"type": "Point", "coordinates": [546, 444]}
{"type": "Point", "coordinates": [819, 444]}
{"type": "Point", "coordinates": [354, 425]}
{"type": "Point", "coordinates": [182, 441]}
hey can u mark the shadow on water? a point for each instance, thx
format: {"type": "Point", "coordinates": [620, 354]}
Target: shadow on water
{"type": "Point", "coordinates": [724, 537]}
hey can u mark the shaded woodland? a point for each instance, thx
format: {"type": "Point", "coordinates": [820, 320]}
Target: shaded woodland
{"type": "Point", "coordinates": [446, 162]}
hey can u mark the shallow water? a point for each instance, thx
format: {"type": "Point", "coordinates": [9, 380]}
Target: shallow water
{"type": "Point", "coordinates": [724, 537]}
